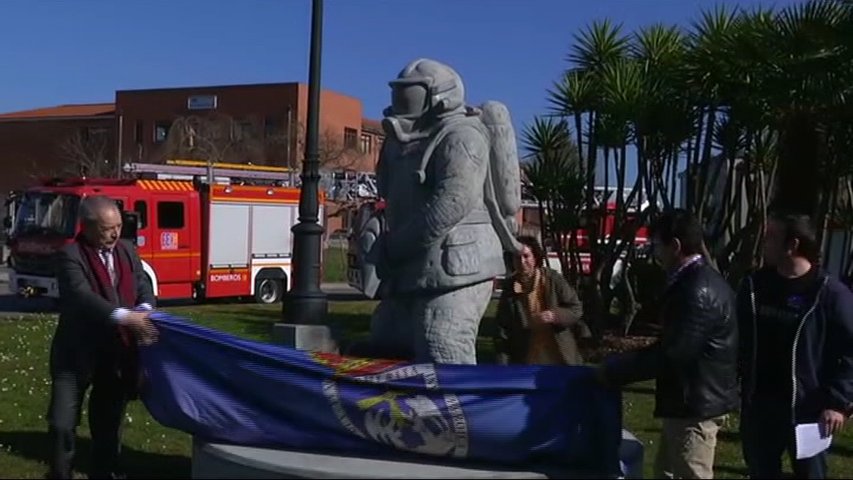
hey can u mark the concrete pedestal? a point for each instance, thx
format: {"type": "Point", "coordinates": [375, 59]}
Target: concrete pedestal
{"type": "Point", "coordinates": [214, 460]}
{"type": "Point", "coordinates": [316, 338]}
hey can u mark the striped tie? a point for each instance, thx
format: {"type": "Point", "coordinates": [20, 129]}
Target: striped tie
{"type": "Point", "coordinates": [107, 258]}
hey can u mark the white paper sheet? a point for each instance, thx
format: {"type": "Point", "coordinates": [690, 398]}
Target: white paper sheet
{"type": "Point", "coordinates": [810, 441]}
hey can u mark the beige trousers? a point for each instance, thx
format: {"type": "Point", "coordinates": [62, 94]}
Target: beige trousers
{"type": "Point", "coordinates": [687, 447]}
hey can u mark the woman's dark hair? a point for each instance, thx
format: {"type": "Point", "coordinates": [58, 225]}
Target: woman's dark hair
{"type": "Point", "coordinates": [799, 227]}
{"type": "Point", "coordinates": [535, 247]}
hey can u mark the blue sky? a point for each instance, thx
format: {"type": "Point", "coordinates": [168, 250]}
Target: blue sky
{"type": "Point", "coordinates": [79, 51]}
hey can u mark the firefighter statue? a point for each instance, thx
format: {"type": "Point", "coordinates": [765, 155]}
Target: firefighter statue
{"type": "Point", "coordinates": [449, 175]}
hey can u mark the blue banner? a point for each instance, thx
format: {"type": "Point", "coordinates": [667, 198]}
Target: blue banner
{"type": "Point", "coordinates": [221, 388]}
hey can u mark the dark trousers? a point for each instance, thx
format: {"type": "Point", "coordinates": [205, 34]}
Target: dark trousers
{"type": "Point", "coordinates": [107, 402]}
{"type": "Point", "coordinates": [767, 432]}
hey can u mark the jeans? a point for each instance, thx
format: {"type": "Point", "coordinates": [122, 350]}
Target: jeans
{"type": "Point", "coordinates": [766, 433]}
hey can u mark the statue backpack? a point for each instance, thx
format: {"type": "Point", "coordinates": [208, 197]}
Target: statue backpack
{"type": "Point", "coordinates": [502, 191]}
{"type": "Point", "coordinates": [502, 188]}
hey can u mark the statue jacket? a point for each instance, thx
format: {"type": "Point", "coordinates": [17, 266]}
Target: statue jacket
{"type": "Point", "coordinates": [439, 235]}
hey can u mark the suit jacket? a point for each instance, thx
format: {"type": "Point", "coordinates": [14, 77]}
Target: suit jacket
{"type": "Point", "coordinates": [513, 336]}
{"type": "Point", "coordinates": [85, 330]}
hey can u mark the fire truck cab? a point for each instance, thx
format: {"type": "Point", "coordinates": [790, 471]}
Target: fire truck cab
{"type": "Point", "coordinates": [229, 237]}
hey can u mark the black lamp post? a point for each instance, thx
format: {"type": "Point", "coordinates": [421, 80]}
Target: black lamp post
{"type": "Point", "coordinates": [306, 303]}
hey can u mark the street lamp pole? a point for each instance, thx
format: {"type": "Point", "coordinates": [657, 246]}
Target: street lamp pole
{"type": "Point", "coordinates": [306, 303]}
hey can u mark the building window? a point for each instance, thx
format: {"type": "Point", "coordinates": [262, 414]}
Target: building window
{"type": "Point", "coordinates": [241, 130]}
{"type": "Point", "coordinates": [202, 102]}
{"type": "Point", "coordinates": [137, 132]}
{"type": "Point", "coordinates": [350, 138]}
{"type": "Point", "coordinates": [247, 129]}
{"type": "Point", "coordinates": [170, 215]}
{"type": "Point", "coordinates": [366, 143]}
{"type": "Point", "coordinates": [161, 131]}
{"type": "Point", "coordinates": [95, 133]}
{"type": "Point", "coordinates": [272, 127]}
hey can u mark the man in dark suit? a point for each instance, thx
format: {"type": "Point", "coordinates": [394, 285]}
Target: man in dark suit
{"type": "Point", "coordinates": [104, 299]}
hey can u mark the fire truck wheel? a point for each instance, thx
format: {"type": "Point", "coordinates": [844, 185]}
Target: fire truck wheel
{"type": "Point", "coordinates": [268, 290]}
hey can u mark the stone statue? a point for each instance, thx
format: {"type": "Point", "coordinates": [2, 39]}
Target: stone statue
{"type": "Point", "coordinates": [449, 176]}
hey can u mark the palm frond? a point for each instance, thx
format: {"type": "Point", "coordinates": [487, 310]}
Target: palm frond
{"type": "Point", "coordinates": [598, 45]}
{"type": "Point", "coordinates": [575, 93]}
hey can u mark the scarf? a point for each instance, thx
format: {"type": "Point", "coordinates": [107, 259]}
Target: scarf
{"type": "Point", "coordinates": [542, 346]}
{"type": "Point", "coordinates": [532, 287]}
{"type": "Point", "coordinates": [123, 295]}
{"type": "Point", "coordinates": [100, 278]}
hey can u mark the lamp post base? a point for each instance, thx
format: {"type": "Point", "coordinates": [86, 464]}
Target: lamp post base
{"type": "Point", "coordinates": [308, 332]}
{"type": "Point", "coordinates": [312, 338]}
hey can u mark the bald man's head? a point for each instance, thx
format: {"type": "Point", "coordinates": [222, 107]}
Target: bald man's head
{"type": "Point", "coordinates": [101, 220]}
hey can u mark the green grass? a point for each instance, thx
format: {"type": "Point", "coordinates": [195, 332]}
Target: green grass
{"type": "Point", "coordinates": [152, 451]}
{"type": "Point", "coordinates": [335, 265]}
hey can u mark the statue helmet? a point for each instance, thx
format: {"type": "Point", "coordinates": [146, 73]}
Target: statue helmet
{"type": "Point", "coordinates": [426, 85]}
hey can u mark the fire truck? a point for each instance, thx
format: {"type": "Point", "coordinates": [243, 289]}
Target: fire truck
{"type": "Point", "coordinates": [202, 230]}
{"type": "Point", "coordinates": [606, 229]}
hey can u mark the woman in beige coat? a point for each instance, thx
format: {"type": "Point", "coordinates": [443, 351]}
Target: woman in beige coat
{"type": "Point", "coordinates": [539, 315]}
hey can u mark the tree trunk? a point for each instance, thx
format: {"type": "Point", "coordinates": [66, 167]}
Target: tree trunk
{"type": "Point", "coordinates": [593, 305]}
{"type": "Point", "coordinates": [800, 163]}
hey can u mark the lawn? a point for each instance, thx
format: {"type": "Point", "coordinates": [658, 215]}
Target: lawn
{"type": "Point", "coordinates": [335, 265]}
{"type": "Point", "coordinates": [152, 451]}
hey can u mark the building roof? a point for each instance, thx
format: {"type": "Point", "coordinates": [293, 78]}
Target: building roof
{"type": "Point", "coordinates": [81, 110]}
{"type": "Point", "coordinates": [196, 88]}
{"type": "Point", "coordinates": [372, 126]}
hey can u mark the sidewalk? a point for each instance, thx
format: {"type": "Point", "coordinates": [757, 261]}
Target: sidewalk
{"type": "Point", "coordinates": [338, 290]}
{"type": "Point", "coordinates": [335, 289]}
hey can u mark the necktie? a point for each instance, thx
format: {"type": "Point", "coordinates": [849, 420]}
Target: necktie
{"type": "Point", "coordinates": [107, 258]}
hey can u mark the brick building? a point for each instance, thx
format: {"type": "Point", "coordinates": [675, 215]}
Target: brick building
{"type": "Point", "coordinates": [262, 124]}
{"type": "Point", "coordinates": [49, 141]}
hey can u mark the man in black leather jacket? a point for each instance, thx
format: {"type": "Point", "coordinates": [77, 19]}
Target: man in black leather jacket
{"type": "Point", "coordinates": [694, 361]}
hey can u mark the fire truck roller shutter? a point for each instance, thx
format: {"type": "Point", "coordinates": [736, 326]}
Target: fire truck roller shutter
{"type": "Point", "coordinates": [269, 285]}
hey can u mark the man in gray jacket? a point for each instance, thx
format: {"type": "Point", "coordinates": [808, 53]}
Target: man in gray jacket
{"type": "Point", "coordinates": [104, 298]}
{"type": "Point", "coordinates": [440, 252]}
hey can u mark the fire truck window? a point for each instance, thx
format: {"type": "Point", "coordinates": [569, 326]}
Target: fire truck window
{"type": "Point", "coordinates": [170, 215]}
{"type": "Point", "coordinates": [141, 208]}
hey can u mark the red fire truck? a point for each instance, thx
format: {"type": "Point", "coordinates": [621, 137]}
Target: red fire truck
{"type": "Point", "coordinates": [605, 232]}
{"type": "Point", "coordinates": [197, 238]}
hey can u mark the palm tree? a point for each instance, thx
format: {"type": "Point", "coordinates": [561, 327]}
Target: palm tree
{"type": "Point", "coordinates": [707, 72]}
{"type": "Point", "coordinates": [556, 182]}
{"type": "Point", "coordinates": [808, 42]}
{"type": "Point", "coordinates": [753, 105]}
